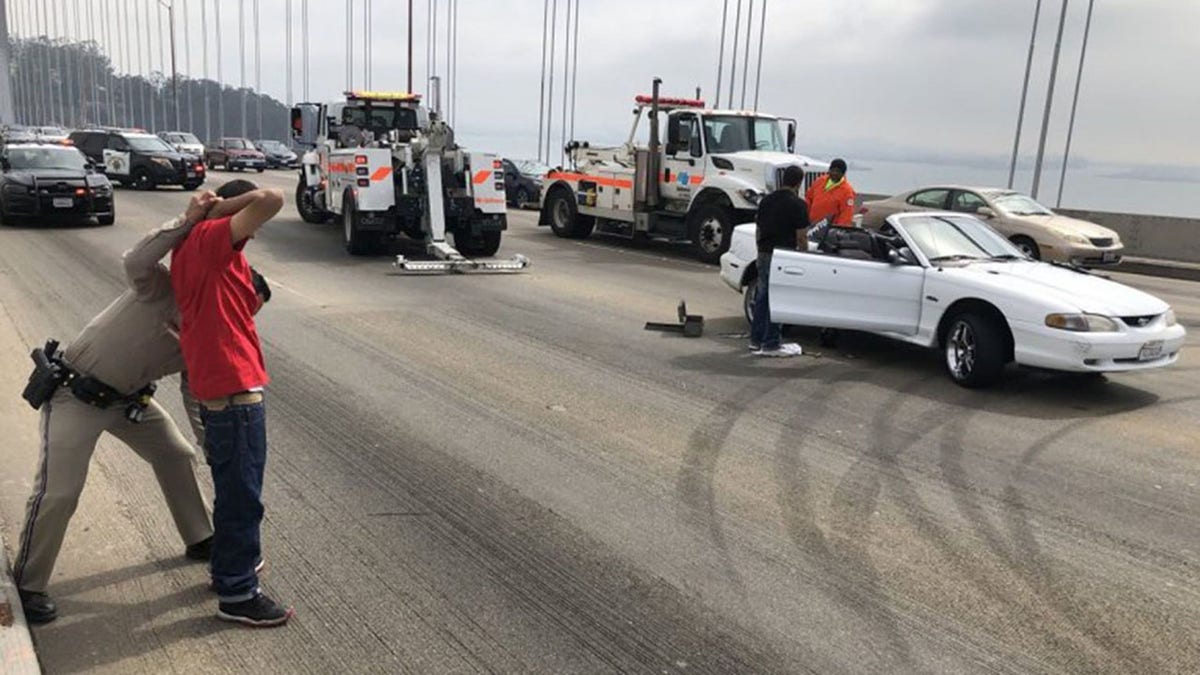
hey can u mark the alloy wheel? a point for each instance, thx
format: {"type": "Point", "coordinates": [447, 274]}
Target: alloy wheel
{"type": "Point", "coordinates": [961, 350]}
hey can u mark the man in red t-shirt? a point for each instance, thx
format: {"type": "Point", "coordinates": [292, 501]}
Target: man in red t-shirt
{"type": "Point", "coordinates": [215, 292]}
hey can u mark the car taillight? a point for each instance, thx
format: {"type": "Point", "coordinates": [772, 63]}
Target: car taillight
{"type": "Point", "coordinates": [199, 167]}
{"type": "Point", "coordinates": [364, 182]}
{"type": "Point", "coordinates": [80, 192]}
{"type": "Point", "coordinates": [360, 159]}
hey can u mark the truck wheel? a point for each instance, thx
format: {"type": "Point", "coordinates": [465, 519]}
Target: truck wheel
{"type": "Point", "coordinates": [710, 229]}
{"type": "Point", "coordinates": [564, 216]}
{"type": "Point", "coordinates": [522, 198]}
{"type": "Point", "coordinates": [357, 241]}
{"type": "Point", "coordinates": [486, 244]}
{"type": "Point", "coordinates": [974, 347]}
{"type": "Point", "coordinates": [308, 210]}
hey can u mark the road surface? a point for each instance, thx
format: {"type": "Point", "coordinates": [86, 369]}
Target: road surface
{"type": "Point", "coordinates": [508, 474]}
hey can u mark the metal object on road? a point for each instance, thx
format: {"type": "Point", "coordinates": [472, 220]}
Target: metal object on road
{"type": "Point", "coordinates": [690, 325]}
{"type": "Point", "coordinates": [456, 263]}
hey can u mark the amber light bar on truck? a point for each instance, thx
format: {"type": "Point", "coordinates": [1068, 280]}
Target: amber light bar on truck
{"type": "Point", "coordinates": [381, 96]}
{"type": "Point", "coordinates": [667, 101]}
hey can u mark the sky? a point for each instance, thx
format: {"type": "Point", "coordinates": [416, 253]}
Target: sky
{"type": "Point", "coordinates": [867, 79]}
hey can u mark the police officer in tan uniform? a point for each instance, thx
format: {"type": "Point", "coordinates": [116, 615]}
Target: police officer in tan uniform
{"type": "Point", "coordinates": [110, 364]}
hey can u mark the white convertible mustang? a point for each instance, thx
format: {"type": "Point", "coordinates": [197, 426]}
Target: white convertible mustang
{"type": "Point", "coordinates": [949, 281]}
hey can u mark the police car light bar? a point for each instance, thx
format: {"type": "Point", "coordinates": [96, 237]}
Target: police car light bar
{"type": "Point", "coordinates": [382, 95]}
{"type": "Point", "coordinates": [668, 101]}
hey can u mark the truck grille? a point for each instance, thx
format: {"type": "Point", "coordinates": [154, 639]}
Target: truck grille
{"type": "Point", "coordinates": [809, 177]}
{"type": "Point", "coordinates": [1102, 242]}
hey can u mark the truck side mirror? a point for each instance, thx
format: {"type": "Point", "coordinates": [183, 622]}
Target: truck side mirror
{"type": "Point", "coordinates": [791, 137]}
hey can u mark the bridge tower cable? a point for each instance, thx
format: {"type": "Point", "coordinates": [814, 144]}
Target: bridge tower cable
{"type": "Point", "coordinates": [1012, 167]}
{"type": "Point", "coordinates": [746, 57]}
{"type": "Point", "coordinates": [1062, 179]}
{"type": "Point", "coordinates": [1041, 152]}
{"type": "Point", "coordinates": [762, 37]}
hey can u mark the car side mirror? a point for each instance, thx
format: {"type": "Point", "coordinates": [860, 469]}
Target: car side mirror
{"type": "Point", "coordinates": [986, 212]}
{"type": "Point", "coordinates": [89, 167]}
{"type": "Point", "coordinates": [4, 165]}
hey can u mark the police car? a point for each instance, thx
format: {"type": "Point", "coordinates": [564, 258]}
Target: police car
{"type": "Point", "coordinates": [139, 160]}
{"type": "Point", "coordinates": [52, 182]}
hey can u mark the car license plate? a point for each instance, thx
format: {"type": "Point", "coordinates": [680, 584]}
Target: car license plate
{"type": "Point", "coordinates": [1108, 256]}
{"type": "Point", "coordinates": [1151, 350]}
{"type": "Point", "coordinates": [191, 174]}
{"type": "Point", "coordinates": [63, 202]}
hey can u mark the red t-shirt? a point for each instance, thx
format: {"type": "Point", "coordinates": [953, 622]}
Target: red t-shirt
{"type": "Point", "coordinates": [216, 299]}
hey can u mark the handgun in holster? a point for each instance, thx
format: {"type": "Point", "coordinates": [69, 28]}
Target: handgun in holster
{"type": "Point", "coordinates": [136, 410]}
{"type": "Point", "coordinates": [47, 376]}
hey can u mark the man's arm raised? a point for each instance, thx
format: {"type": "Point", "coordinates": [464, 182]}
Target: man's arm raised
{"type": "Point", "coordinates": [250, 211]}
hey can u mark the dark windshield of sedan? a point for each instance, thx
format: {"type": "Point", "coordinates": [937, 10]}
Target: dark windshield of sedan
{"type": "Point", "coordinates": [274, 146]}
{"type": "Point", "coordinates": [69, 159]}
{"type": "Point", "coordinates": [962, 237]}
{"type": "Point", "coordinates": [148, 144]}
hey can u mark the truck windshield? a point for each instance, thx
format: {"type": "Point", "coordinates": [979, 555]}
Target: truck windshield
{"type": "Point", "coordinates": [736, 133]}
{"type": "Point", "coordinates": [380, 117]}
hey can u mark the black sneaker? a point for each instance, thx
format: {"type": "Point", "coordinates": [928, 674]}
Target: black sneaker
{"type": "Point", "coordinates": [258, 612]}
{"type": "Point", "coordinates": [201, 550]}
{"type": "Point", "coordinates": [39, 608]}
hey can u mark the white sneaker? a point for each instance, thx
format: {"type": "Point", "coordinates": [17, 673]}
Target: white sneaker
{"type": "Point", "coordinates": [783, 351]}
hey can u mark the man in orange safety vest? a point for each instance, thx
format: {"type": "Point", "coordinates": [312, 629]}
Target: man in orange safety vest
{"type": "Point", "coordinates": [831, 197]}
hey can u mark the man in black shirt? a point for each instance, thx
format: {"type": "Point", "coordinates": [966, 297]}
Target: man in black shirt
{"type": "Point", "coordinates": [782, 223]}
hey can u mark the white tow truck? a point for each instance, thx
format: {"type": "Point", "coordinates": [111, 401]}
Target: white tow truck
{"type": "Point", "coordinates": [388, 166]}
{"type": "Point", "coordinates": [709, 176]}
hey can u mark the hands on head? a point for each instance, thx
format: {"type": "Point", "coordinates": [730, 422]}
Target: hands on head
{"type": "Point", "coordinates": [199, 206]}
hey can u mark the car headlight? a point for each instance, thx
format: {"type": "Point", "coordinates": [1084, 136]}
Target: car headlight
{"type": "Point", "coordinates": [1074, 237]}
{"type": "Point", "coordinates": [751, 195]}
{"type": "Point", "coordinates": [161, 161]}
{"type": "Point", "coordinates": [1169, 317]}
{"type": "Point", "coordinates": [1082, 323]}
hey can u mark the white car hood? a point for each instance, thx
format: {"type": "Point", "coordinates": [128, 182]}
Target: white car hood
{"type": "Point", "coordinates": [1087, 292]}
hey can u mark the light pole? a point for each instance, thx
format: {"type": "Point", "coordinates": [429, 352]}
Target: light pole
{"type": "Point", "coordinates": [1062, 178]}
{"type": "Point", "coordinates": [1041, 153]}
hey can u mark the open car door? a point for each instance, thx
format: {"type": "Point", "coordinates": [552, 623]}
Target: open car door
{"type": "Point", "coordinates": [849, 287]}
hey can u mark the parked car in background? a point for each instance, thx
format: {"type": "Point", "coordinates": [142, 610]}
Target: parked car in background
{"type": "Point", "coordinates": [183, 142]}
{"type": "Point", "coordinates": [52, 182]}
{"type": "Point", "coordinates": [520, 188]}
{"type": "Point", "coordinates": [235, 154]}
{"type": "Point", "coordinates": [277, 154]}
{"type": "Point", "coordinates": [139, 160]}
{"type": "Point", "coordinates": [950, 282]}
{"type": "Point", "coordinates": [51, 134]}
{"type": "Point", "coordinates": [1036, 230]}
{"type": "Point", "coordinates": [15, 133]}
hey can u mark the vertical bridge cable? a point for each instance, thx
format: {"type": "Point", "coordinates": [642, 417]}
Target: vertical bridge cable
{"type": "Point", "coordinates": [550, 94]}
{"type": "Point", "coordinates": [1087, 27]}
{"type": "Point", "coordinates": [304, 46]}
{"type": "Point", "coordinates": [542, 81]}
{"type": "Point", "coordinates": [574, 69]}
{"type": "Point", "coordinates": [1012, 167]}
{"type": "Point", "coordinates": [257, 75]}
{"type": "Point", "coordinates": [721, 53]}
{"type": "Point", "coordinates": [762, 37]}
{"type": "Point", "coordinates": [562, 146]}
{"type": "Point", "coordinates": [737, 32]}
{"type": "Point", "coordinates": [746, 58]}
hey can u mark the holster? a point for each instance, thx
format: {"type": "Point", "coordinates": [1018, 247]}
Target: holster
{"type": "Point", "coordinates": [47, 376]}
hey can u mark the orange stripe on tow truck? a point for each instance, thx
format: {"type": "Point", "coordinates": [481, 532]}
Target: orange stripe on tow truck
{"type": "Point", "coordinates": [598, 180]}
{"type": "Point", "coordinates": [381, 173]}
{"type": "Point", "coordinates": [481, 176]}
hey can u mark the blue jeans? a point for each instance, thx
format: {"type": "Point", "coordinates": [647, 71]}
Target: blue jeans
{"type": "Point", "coordinates": [762, 332]}
{"type": "Point", "coordinates": [236, 442]}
